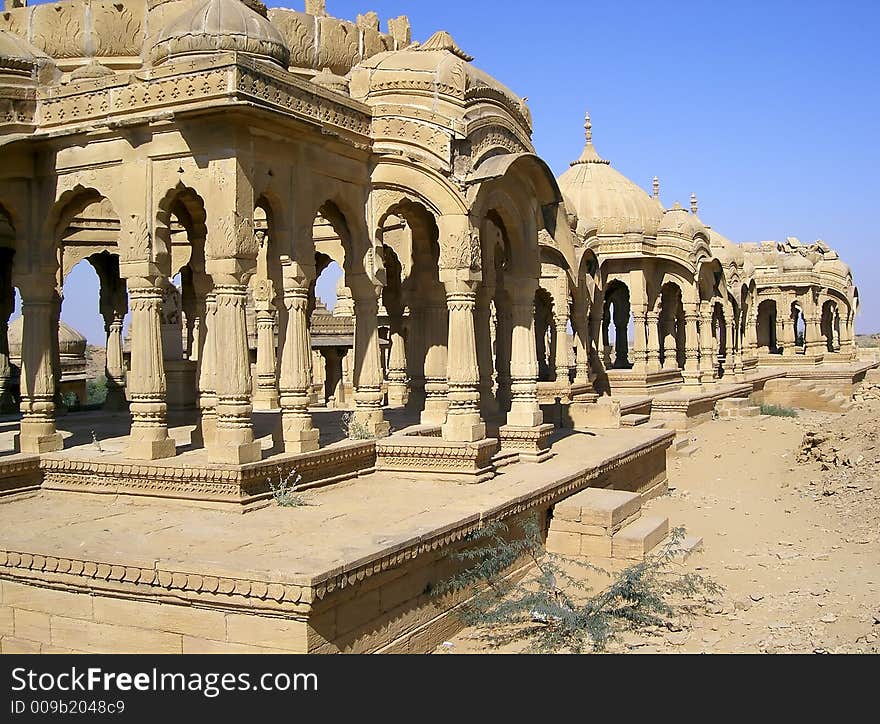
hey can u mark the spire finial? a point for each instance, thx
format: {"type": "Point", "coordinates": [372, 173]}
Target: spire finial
{"type": "Point", "coordinates": [693, 203]}
{"type": "Point", "coordinates": [588, 127]}
{"type": "Point", "coordinates": [656, 188]}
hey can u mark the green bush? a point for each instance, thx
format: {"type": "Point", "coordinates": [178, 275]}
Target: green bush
{"type": "Point", "coordinates": [286, 490]}
{"type": "Point", "coordinates": [778, 411]}
{"type": "Point", "coordinates": [96, 391]}
{"type": "Point", "coordinates": [353, 428]}
{"type": "Point", "coordinates": [555, 611]}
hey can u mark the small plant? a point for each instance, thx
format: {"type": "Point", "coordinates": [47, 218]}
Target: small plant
{"type": "Point", "coordinates": [778, 411]}
{"type": "Point", "coordinates": [555, 610]}
{"type": "Point", "coordinates": [353, 428]}
{"type": "Point", "coordinates": [286, 491]}
{"type": "Point", "coordinates": [96, 442]}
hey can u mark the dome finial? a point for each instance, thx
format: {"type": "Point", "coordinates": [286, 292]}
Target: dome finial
{"type": "Point", "coordinates": [693, 203]}
{"type": "Point", "coordinates": [656, 187]}
{"type": "Point", "coordinates": [588, 127]}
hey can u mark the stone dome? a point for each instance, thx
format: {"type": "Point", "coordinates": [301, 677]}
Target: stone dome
{"type": "Point", "coordinates": [725, 250]}
{"type": "Point", "coordinates": [217, 26]}
{"type": "Point", "coordinates": [70, 342]}
{"type": "Point", "coordinates": [436, 68]}
{"type": "Point", "coordinates": [831, 263]}
{"type": "Point", "coordinates": [796, 262]}
{"type": "Point", "coordinates": [20, 59]}
{"type": "Point", "coordinates": [684, 224]}
{"type": "Point", "coordinates": [604, 198]}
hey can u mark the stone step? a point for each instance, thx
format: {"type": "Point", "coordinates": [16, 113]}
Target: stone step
{"type": "Point", "coordinates": [633, 419]}
{"type": "Point", "coordinates": [598, 507]}
{"type": "Point", "coordinates": [689, 545]}
{"type": "Point", "coordinates": [638, 538]}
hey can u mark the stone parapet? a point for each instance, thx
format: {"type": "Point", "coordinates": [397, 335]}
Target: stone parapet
{"type": "Point", "coordinates": [464, 462]}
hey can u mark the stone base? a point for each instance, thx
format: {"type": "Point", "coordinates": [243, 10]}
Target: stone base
{"type": "Point", "coordinates": [151, 449]}
{"type": "Point", "coordinates": [604, 413]}
{"type": "Point", "coordinates": [267, 402]}
{"type": "Point", "coordinates": [36, 444]}
{"type": "Point", "coordinates": [532, 443]}
{"type": "Point", "coordinates": [462, 462]}
{"type": "Point", "coordinates": [208, 484]}
{"type": "Point", "coordinates": [19, 473]}
{"type": "Point", "coordinates": [301, 441]}
{"type": "Point", "coordinates": [237, 454]}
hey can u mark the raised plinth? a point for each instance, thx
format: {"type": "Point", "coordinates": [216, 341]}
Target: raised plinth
{"type": "Point", "coordinates": [462, 462]}
{"type": "Point", "coordinates": [531, 443]}
{"type": "Point", "coordinates": [353, 570]}
{"type": "Point", "coordinates": [19, 473]}
{"type": "Point", "coordinates": [192, 478]}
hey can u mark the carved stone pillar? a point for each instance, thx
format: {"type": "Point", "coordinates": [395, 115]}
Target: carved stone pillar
{"type": "Point", "coordinates": [207, 395]}
{"type": "Point", "coordinates": [298, 434]}
{"type": "Point", "coordinates": [653, 357]}
{"type": "Point", "coordinates": [729, 354]}
{"type": "Point", "coordinates": [503, 343]}
{"type": "Point", "coordinates": [436, 322]}
{"type": "Point", "coordinates": [398, 390]}
{"type": "Point", "coordinates": [708, 358]}
{"type": "Point", "coordinates": [463, 423]}
{"type": "Point", "coordinates": [524, 408]}
{"type": "Point", "coordinates": [149, 438]}
{"type": "Point", "coordinates": [562, 359]}
{"type": "Point", "coordinates": [640, 341]}
{"type": "Point", "coordinates": [37, 428]}
{"type": "Point", "coordinates": [234, 437]}
{"type": "Point", "coordinates": [691, 372]}
{"type": "Point", "coordinates": [266, 394]}
{"type": "Point", "coordinates": [415, 356]}
{"type": "Point", "coordinates": [368, 366]}
{"type": "Point", "coordinates": [115, 365]}
{"type": "Point", "coordinates": [581, 327]}
{"type": "Point", "coordinates": [483, 327]}
{"type": "Point", "coordinates": [6, 402]}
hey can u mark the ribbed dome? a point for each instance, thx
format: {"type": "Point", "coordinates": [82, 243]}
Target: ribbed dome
{"type": "Point", "coordinates": [833, 264]}
{"type": "Point", "coordinates": [678, 222]}
{"type": "Point", "coordinates": [217, 26]}
{"type": "Point", "coordinates": [604, 198]}
{"type": "Point", "coordinates": [441, 68]}
{"type": "Point", "coordinates": [70, 342]}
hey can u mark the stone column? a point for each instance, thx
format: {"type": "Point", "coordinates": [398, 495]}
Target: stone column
{"type": "Point", "coordinates": [114, 369]}
{"type": "Point", "coordinates": [640, 341]}
{"type": "Point", "coordinates": [752, 335]}
{"type": "Point", "coordinates": [266, 394]}
{"type": "Point", "coordinates": [463, 423]}
{"type": "Point", "coordinates": [37, 433]}
{"type": "Point", "coordinates": [436, 323]}
{"type": "Point", "coordinates": [298, 434]}
{"type": "Point", "coordinates": [708, 358]}
{"type": "Point", "coordinates": [813, 332]}
{"type": "Point", "coordinates": [562, 359]}
{"type": "Point", "coordinates": [524, 408]}
{"type": "Point", "coordinates": [368, 366]}
{"type": "Point", "coordinates": [234, 437]}
{"type": "Point", "coordinates": [581, 326]}
{"type": "Point", "coordinates": [483, 327]}
{"type": "Point", "coordinates": [653, 357]}
{"type": "Point", "coordinates": [7, 403]}
{"type": "Point", "coordinates": [149, 438]}
{"type": "Point", "coordinates": [691, 372]}
{"type": "Point", "coordinates": [415, 356]}
{"type": "Point", "coordinates": [398, 391]}
{"type": "Point", "coordinates": [503, 343]}
{"type": "Point", "coordinates": [729, 354]}
{"type": "Point", "coordinates": [207, 395]}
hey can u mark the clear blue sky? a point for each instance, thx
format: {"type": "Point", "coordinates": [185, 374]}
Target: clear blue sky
{"type": "Point", "coordinates": [767, 110]}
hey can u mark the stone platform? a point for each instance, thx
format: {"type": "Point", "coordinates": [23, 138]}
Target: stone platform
{"type": "Point", "coordinates": [353, 570]}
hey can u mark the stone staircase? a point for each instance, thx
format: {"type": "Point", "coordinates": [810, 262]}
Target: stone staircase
{"type": "Point", "coordinates": [607, 526]}
{"type": "Point", "coordinates": [804, 394]}
{"type": "Point", "coordinates": [734, 407]}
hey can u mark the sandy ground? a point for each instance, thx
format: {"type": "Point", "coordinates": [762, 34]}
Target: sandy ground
{"type": "Point", "coordinates": [791, 537]}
